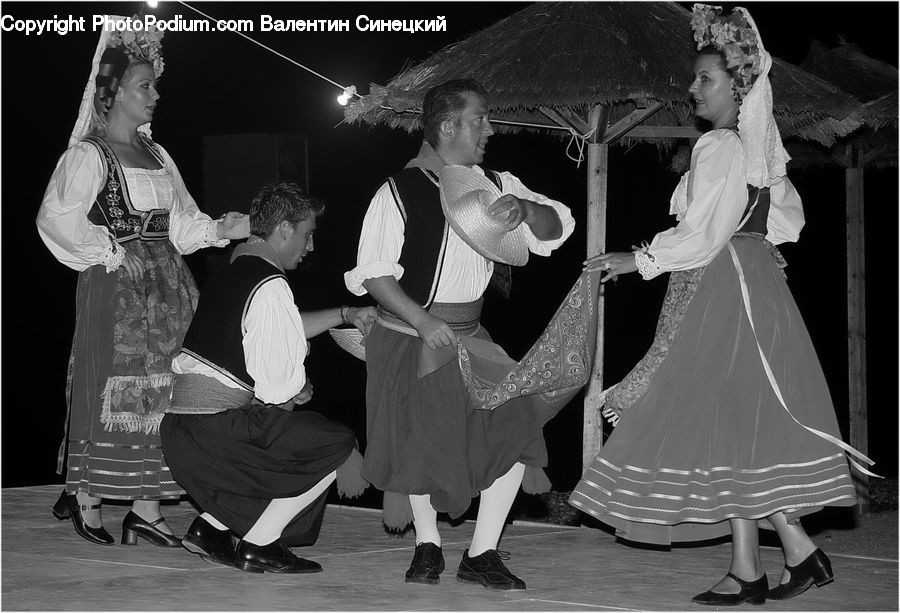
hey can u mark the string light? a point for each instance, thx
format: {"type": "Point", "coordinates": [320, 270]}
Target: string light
{"type": "Point", "coordinates": [343, 99]}
{"type": "Point", "coordinates": [348, 94]}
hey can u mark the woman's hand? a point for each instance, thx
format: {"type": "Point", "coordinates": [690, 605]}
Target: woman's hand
{"type": "Point", "coordinates": [233, 226]}
{"type": "Point", "coordinates": [613, 264]}
{"type": "Point", "coordinates": [362, 318]}
{"type": "Point", "coordinates": [133, 266]}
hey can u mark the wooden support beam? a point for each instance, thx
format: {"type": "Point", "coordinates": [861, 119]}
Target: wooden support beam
{"type": "Point", "coordinates": [598, 171]}
{"type": "Point", "coordinates": [628, 123]}
{"type": "Point", "coordinates": [566, 119]}
{"type": "Point", "coordinates": [664, 132]}
{"type": "Point", "coordinates": [856, 319]}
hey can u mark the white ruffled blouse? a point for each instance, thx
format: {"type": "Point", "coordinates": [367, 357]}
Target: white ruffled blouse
{"type": "Point", "coordinates": [709, 202]}
{"type": "Point", "coordinates": [64, 227]}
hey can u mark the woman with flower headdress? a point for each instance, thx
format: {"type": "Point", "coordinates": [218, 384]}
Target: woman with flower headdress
{"type": "Point", "coordinates": [116, 210]}
{"type": "Point", "coordinates": [726, 423]}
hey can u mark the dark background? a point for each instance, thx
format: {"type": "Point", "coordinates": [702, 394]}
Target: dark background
{"type": "Point", "coordinates": [220, 83]}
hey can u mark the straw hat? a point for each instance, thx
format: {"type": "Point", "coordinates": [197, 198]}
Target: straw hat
{"type": "Point", "coordinates": [465, 196]}
{"type": "Point", "coordinates": [350, 340]}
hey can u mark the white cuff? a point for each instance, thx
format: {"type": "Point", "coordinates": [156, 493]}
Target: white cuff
{"type": "Point", "coordinates": [113, 257]}
{"type": "Point", "coordinates": [646, 265]}
{"type": "Point", "coordinates": [354, 279]}
{"type": "Point", "coordinates": [211, 237]}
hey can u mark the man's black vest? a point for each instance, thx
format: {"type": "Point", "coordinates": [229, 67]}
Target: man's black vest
{"type": "Point", "coordinates": [417, 196]}
{"type": "Point", "coordinates": [215, 335]}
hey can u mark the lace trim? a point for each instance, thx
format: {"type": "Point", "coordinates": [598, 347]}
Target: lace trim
{"type": "Point", "coordinates": [646, 263]}
{"type": "Point", "coordinates": [211, 238]}
{"type": "Point", "coordinates": [113, 257]}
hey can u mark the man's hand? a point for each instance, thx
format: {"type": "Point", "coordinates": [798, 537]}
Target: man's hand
{"type": "Point", "coordinates": [435, 332]}
{"type": "Point", "coordinates": [509, 210]}
{"type": "Point", "coordinates": [362, 318]}
{"type": "Point", "coordinates": [233, 226]}
{"type": "Point", "coordinates": [305, 395]}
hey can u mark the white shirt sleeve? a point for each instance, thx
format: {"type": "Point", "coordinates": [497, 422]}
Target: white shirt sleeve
{"type": "Point", "coordinates": [189, 228]}
{"type": "Point", "coordinates": [275, 343]}
{"type": "Point", "coordinates": [716, 199]}
{"type": "Point", "coordinates": [380, 242]}
{"type": "Point", "coordinates": [62, 221]}
{"type": "Point", "coordinates": [512, 185]}
{"type": "Point", "coordinates": [786, 217]}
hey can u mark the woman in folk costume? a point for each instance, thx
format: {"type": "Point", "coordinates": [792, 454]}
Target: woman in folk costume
{"type": "Point", "coordinates": [116, 210]}
{"type": "Point", "coordinates": [729, 422]}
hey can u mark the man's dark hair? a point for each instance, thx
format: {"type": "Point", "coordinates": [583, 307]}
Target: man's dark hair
{"type": "Point", "coordinates": [281, 201]}
{"type": "Point", "coordinates": [446, 101]}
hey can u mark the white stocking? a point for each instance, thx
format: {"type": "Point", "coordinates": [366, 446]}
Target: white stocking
{"type": "Point", "coordinates": [281, 511]}
{"type": "Point", "coordinates": [496, 501]}
{"type": "Point", "coordinates": [424, 519]}
{"type": "Point", "coordinates": [212, 521]}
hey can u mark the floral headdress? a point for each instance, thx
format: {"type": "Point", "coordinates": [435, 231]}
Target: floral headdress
{"type": "Point", "coordinates": [144, 44]}
{"type": "Point", "coordinates": [735, 38]}
{"type": "Point", "coordinates": [765, 159]}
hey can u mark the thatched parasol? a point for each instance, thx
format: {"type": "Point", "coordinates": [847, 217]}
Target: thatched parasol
{"type": "Point", "coordinates": [607, 72]}
{"type": "Point", "coordinates": [569, 57]}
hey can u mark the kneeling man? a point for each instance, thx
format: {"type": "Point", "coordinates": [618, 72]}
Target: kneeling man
{"type": "Point", "coordinates": [258, 470]}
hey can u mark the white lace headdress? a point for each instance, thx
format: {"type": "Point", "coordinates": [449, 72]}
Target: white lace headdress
{"type": "Point", "coordinates": [147, 44]}
{"type": "Point", "coordinates": [765, 156]}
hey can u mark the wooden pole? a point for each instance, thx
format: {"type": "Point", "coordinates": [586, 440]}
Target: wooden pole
{"type": "Point", "coordinates": [856, 318]}
{"type": "Point", "coordinates": [597, 171]}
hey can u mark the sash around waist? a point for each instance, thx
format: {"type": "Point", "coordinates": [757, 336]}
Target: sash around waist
{"type": "Point", "coordinates": [198, 394]}
{"type": "Point", "coordinates": [462, 317]}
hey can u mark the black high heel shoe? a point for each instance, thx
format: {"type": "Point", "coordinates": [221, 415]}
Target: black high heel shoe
{"type": "Point", "coordinates": [67, 506]}
{"type": "Point", "coordinates": [816, 568]}
{"type": "Point", "coordinates": [134, 526]}
{"type": "Point", "coordinates": [753, 592]}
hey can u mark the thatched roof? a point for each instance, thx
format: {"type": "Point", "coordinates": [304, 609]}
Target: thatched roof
{"type": "Point", "coordinates": [868, 79]}
{"type": "Point", "coordinates": [575, 55]}
{"type": "Point", "coordinates": [854, 72]}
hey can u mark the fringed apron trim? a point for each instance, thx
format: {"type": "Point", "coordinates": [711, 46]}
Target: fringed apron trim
{"type": "Point", "coordinates": [771, 376]}
{"type": "Point", "coordinates": [149, 419]}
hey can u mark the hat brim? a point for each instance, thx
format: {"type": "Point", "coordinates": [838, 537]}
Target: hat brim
{"type": "Point", "coordinates": [350, 340]}
{"type": "Point", "coordinates": [465, 196]}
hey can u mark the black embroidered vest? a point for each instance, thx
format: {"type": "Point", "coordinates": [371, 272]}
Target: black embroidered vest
{"type": "Point", "coordinates": [417, 196]}
{"type": "Point", "coordinates": [215, 335]}
{"type": "Point", "coordinates": [113, 209]}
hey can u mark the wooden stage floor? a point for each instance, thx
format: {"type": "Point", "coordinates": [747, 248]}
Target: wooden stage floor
{"type": "Point", "coordinates": [47, 567]}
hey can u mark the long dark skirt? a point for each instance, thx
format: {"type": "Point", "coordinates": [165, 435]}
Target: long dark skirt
{"type": "Point", "coordinates": [119, 383]}
{"type": "Point", "coordinates": [235, 462]}
{"type": "Point", "coordinates": [709, 439]}
{"type": "Point", "coordinates": [425, 435]}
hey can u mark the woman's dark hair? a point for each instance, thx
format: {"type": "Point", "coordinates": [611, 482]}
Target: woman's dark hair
{"type": "Point", "coordinates": [281, 201]}
{"type": "Point", "coordinates": [446, 101]}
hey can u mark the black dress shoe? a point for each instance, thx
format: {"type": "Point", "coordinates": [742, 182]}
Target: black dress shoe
{"type": "Point", "coordinates": [427, 564]}
{"type": "Point", "coordinates": [276, 557]}
{"type": "Point", "coordinates": [488, 570]}
{"type": "Point", "coordinates": [210, 543]}
{"type": "Point", "coordinates": [816, 568]}
{"type": "Point", "coordinates": [134, 526]}
{"type": "Point", "coordinates": [753, 592]}
{"type": "Point", "coordinates": [67, 506]}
